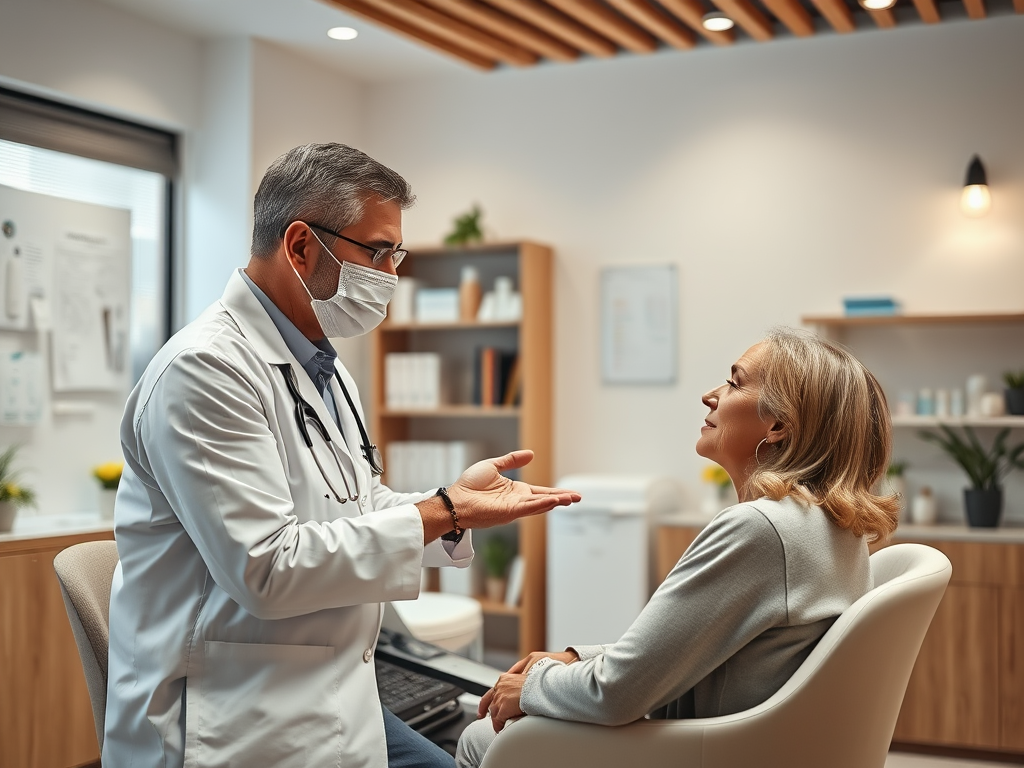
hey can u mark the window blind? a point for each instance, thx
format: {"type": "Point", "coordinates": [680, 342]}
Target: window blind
{"type": "Point", "coordinates": [28, 119]}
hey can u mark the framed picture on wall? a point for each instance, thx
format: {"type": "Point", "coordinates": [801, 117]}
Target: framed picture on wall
{"type": "Point", "coordinates": [639, 319]}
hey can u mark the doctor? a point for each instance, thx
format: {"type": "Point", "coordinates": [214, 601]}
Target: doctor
{"type": "Point", "coordinates": [256, 539]}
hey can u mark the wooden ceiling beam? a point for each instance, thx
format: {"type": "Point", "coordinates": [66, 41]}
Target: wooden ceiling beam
{"type": "Point", "coordinates": [511, 29]}
{"type": "Point", "coordinates": [749, 18]}
{"type": "Point", "coordinates": [928, 10]}
{"type": "Point", "coordinates": [792, 15]}
{"type": "Point", "coordinates": [654, 21]}
{"type": "Point", "coordinates": [691, 12]}
{"type": "Point", "coordinates": [975, 8]}
{"type": "Point", "coordinates": [883, 18]}
{"type": "Point", "coordinates": [1018, 6]}
{"type": "Point", "coordinates": [837, 13]}
{"type": "Point", "coordinates": [416, 34]}
{"type": "Point", "coordinates": [444, 26]}
{"type": "Point", "coordinates": [558, 25]}
{"type": "Point", "coordinates": [608, 23]}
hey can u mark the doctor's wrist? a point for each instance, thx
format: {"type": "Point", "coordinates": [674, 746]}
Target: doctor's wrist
{"type": "Point", "coordinates": [436, 519]}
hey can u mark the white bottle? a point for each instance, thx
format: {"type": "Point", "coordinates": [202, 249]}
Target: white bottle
{"type": "Point", "coordinates": [977, 386]}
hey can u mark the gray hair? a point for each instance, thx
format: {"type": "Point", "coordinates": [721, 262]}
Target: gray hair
{"type": "Point", "coordinates": [325, 184]}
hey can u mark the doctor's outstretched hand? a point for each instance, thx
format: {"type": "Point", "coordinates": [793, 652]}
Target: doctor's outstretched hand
{"type": "Point", "coordinates": [483, 497]}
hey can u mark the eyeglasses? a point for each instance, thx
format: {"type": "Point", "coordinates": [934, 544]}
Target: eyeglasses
{"type": "Point", "coordinates": [379, 254]}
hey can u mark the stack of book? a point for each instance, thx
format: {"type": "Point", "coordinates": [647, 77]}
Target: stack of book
{"type": "Point", "coordinates": [421, 465]}
{"type": "Point", "coordinates": [412, 380]}
{"type": "Point", "coordinates": [497, 377]}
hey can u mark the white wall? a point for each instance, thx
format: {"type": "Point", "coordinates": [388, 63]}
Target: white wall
{"type": "Point", "coordinates": [778, 177]}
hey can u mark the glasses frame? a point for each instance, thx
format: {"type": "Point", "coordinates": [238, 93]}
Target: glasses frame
{"type": "Point", "coordinates": [379, 254]}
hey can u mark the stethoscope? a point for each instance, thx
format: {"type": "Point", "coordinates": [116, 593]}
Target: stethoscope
{"type": "Point", "coordinates": [304, 413]}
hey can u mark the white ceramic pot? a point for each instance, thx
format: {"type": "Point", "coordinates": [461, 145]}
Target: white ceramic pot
{"type": "Point", "coordinates": [107, 496]}
{"type": "Point", "coordinates": [495, 589]}
{"type": "Point", "coordinates": [7, 514]}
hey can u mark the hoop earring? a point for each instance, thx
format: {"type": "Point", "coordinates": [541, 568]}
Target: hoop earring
{"type": "Point", "coordinates": [763, 441]}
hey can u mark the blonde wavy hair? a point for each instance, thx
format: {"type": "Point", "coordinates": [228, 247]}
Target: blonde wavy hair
{"type": "Point", "coordinates": [839, 439]}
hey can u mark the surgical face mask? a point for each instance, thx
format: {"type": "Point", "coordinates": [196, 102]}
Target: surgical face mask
{"type": "Point", "coordinates": [360, 303]}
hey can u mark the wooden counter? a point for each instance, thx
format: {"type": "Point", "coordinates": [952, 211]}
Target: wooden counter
{"type": "Point", "coordinates": [45, 715]}
{"type": "Point", "coordinates": [967, 688]}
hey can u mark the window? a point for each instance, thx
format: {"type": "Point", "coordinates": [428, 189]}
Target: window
{"type": "Point", "coordinates": [32, 134]}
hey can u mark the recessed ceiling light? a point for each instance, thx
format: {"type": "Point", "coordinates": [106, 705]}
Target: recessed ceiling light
{"type": "Point", "coordinates": [716, 22]}
{"type": "Point", "coordinates": [342, 33]}
{"type": "Point", "coordinates": [877, 5]}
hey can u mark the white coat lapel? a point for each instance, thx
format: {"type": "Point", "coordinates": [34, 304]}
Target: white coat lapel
{"type": "Point", "coordinates": [259, 330]}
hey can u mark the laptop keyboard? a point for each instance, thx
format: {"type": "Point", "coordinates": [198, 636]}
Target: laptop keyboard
{"type": "Point", "coordinates": [400, 689]}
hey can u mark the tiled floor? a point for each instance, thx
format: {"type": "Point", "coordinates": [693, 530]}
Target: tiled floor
{"type": "Point", "coordinates": [907, 760]}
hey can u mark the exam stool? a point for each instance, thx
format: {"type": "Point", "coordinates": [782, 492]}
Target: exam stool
{"type": "Point", "coordinates": [452, 622]}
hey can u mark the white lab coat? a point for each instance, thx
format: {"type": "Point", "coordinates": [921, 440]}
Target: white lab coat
{"type": "Point", "coordinates": [246, 607]}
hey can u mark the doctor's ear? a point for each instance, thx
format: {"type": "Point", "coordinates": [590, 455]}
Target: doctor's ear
{"type": "Point", "coordinates": [299, 245]}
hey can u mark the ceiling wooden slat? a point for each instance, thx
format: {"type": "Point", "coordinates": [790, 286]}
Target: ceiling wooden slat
{"type": "Point", "coordinates": [692, 12]}
{"type": "Point", "coordinates": [444, 26]}
{"type": "Point", "coordinates": [975, 8]}
{"type": "Point", "coordinates": [370, 13]}
{"type": "Point", "coordinates": [606, 22]}
{"type": "Point", "coordinates": [559, 25]}
{"type": "Point", "coordinates": [654, 21]}
{"type": "Point", "coordinates": [792, 15]}
{"type": "Point", "coordinates": [884, 18]}
{"type": "Point", "coordinates": [837, 13]}
{"type": "Point", "coordinates": [749, 18]}
{"type": "Point", "coordinates": [928, 10]}
{"type": "Point", "coordinates": [1018, 6]}
{"type": "Point", "coordinates": [507, 27]}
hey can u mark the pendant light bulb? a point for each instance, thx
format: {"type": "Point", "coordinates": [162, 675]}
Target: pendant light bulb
{"type": "Point", "coordinates": [877, 5]}
{"type": "Point", "coordinates": [976, 199]}
{"type": "Point", "coordinates": [716, 22]}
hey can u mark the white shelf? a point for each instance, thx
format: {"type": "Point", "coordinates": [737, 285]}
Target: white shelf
{"type": "Point", "coordinates": [958, 421]}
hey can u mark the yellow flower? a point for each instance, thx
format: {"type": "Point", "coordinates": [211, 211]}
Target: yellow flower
{"type": "Point", "coordinates": [12, 490]}
{"type": "Point", "coordinates": [109, 474]}
{"type": "Point", "coordinates": [713, 473]}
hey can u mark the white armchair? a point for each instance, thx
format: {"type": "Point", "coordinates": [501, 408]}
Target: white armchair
{"type": "Point", "coordinates": [837, 711]}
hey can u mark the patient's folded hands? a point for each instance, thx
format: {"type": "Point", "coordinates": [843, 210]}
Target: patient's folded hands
{"type": "Point", "coordinates": [502, 701]}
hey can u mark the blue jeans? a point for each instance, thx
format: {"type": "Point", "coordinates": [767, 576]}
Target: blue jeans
{"type": "Point", "coordinates": [408, 749]}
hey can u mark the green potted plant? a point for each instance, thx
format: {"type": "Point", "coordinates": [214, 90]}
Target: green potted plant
{"type": "Point", "coordinates": [466, 228]}
{"type": "Point", "coordinates": [13, 495]}
{"type": "Point", "coordinates": [985, 468]}
{"type": "Point", "coordinates": [1014, 392]}
{"type": "Point", "coordinates": [894, 483]}
{"type": "Point", "coordinates": [497, 553]}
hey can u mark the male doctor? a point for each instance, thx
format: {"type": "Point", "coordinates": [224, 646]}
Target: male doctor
{"type": "Point", "coordinates": [256, 539]}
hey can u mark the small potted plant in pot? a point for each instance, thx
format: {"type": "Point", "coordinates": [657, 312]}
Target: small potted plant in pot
{"type": "Point", "coordinates": [986, 468]}
{"type": "Point", "coordinates": [497, 553]}
{"type": "Point", "coordinates": [109, 476]}
{"type": "Point", "coordinates": [13, 494]}
{"type": "Point", "coordinates": [894, 482]}
{"type": "Point", "coordinates": [1014, 392]}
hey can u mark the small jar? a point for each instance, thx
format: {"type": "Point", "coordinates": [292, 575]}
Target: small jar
{"type": "Point", "coordinates": [924, 510]}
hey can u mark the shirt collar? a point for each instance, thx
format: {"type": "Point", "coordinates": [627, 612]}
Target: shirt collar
{"type": "Point", "coordinates": [317, 358]}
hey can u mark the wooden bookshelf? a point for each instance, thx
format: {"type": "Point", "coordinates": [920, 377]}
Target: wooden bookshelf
{"type": "Point", "coordinates": [500, 428]}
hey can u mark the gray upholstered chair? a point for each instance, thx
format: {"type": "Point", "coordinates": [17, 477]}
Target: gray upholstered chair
{"type": "Point", "coordinates": [838, 710]}
{"type": "Point", "coordinates": [85, 572]}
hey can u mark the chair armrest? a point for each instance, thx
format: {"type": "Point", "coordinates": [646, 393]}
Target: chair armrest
{"type": "Point", "coordinates": [539, 742]}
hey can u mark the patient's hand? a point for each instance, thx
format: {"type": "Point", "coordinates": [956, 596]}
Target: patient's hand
{"type": "Point", "coordinates": [523, 665]}
{"type": "Point", "coordinates": [502, 701]}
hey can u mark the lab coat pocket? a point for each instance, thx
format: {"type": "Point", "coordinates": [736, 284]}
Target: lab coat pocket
{"type": "Point", "coordinates": [268, 705]}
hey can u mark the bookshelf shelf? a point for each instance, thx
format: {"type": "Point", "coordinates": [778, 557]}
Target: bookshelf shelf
{"type": "Point", "coordinates": [459, 326]}
{"type": "Point", "coordinates": [455, 411]}
{"type": "Point", "coordinates": [497, 609]}
{"type": "Point", "coordinates": [961, 421]}
{"type": "Point", "coordinates": [498, 428]}
{"type": "Point", "coordinates": [841, 321]}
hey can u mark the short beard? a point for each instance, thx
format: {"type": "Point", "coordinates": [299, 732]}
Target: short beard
{"type": "Point", "coordinates": [323, 283]}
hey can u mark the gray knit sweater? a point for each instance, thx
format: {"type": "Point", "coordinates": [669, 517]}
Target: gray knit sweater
{"type": "Point", "coordinates": [730, 624]}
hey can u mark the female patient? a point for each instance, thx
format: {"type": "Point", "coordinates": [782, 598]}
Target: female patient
{"type": "Point", "coordinates": [804, 432]}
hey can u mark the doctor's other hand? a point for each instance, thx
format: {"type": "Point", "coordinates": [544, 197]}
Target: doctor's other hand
{"type": "Point", "coordinates": [483, 497]}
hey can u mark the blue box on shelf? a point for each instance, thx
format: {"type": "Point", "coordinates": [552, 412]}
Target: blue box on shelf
{"type": "Point", "coordinates": [871, 305]}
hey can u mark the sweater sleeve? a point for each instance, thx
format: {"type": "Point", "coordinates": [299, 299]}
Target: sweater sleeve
{"type": "Point", "coordinates": [729, 587]}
